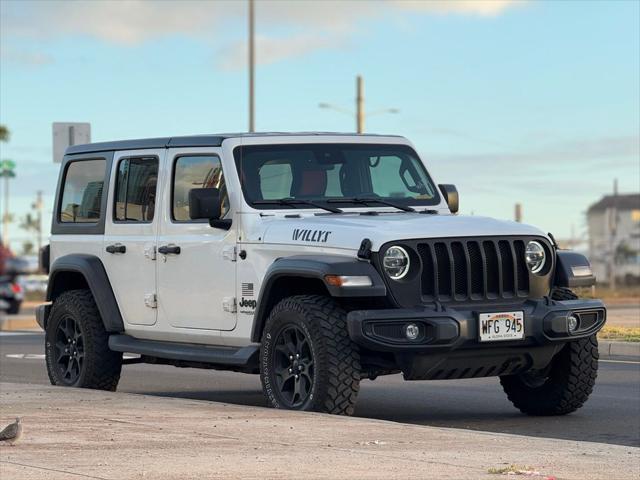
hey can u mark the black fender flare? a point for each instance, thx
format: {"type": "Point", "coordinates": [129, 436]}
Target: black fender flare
{"type": "Point", "coordinates": [573, 270]}
{"type": "Point", "coordinates": [316, 267]}
{"type": "Point", "coordinates": [92, 269]}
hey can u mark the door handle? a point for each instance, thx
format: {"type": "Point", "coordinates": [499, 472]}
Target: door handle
{"type": "Point", "coordinates": [169, 250]}
{"type": "Point", "coordinates": [116, 248]}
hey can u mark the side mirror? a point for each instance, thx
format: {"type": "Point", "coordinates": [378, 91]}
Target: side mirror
{"type": "Point", "coordinates": [204, 203]}
{"type": "Point", "coordinates": [450, 193]}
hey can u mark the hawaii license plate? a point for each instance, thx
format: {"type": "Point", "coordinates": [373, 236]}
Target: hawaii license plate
{"type": "Point", "coordinates": [494, 327]}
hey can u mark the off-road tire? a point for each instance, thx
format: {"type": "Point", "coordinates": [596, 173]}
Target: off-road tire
{"type": "Point", "coordinates": [101, 366]}
{"type": "Point", "coordinates": [566, 383]}
{"type": "Point", "coordinates": [14, 307]}
{"type": "Point", "coordinates": [336, 358]}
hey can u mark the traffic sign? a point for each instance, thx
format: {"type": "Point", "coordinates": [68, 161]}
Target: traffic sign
{"type": "Point", "coordinates": [68, 134]}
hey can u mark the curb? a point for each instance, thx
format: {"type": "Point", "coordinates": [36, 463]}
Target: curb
{"type": "Point", "coordinates": [619, 349]}
{"type": "Point", "coordinates": [19, 322]}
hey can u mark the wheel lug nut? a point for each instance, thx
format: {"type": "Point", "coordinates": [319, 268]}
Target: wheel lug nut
{"type": "Point", "coordinates": [297, 376]}
{"type": "Point", "coordinates": [297, 355]}
{"type": "Point", "coordinates": [291, 370]}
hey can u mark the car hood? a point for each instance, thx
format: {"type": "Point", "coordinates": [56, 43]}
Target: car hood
{"type": "Point", "coordinates": [348, 230]}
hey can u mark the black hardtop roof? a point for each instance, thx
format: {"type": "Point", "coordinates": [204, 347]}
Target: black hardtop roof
{"type": "Point", "coordinates": [214, 140]}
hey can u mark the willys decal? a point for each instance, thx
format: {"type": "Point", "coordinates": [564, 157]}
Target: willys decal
{"type": "Point", "coordinates": [316, 236]}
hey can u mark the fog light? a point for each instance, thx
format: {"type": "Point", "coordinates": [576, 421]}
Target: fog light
{"type": "Point", "coordinates": [411, 331]}
{"type": "Point", "coordinates": [572, 322]}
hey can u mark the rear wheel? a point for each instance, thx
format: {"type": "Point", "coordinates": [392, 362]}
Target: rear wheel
{"type": "Point", "coordinates": [565, 384]}
{"type": "Point", "coordinates": [307, 360]}
{"type": "Point", "coordinates": [76, 344]}
{"type": "Point", "coordinates": [14, 307]}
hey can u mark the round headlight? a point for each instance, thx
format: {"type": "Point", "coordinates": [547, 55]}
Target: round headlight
{"type": "Point", "coordinates": [535, 256]}
{"type": "Point", "coordinates": [396, 262]}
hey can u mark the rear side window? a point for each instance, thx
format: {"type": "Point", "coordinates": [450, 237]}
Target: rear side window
{"type": "Point", "coordinates": [82, 192]}
{"type": "Point", "coordinates": [135, 194]}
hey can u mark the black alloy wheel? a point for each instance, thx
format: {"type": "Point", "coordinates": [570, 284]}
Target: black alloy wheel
{"type": "Point", "coordinates": [69, 348]}
{"type": "Point", "coordinates": [294, 366]}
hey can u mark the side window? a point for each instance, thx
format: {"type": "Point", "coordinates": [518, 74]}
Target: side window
{"type": "Point", "coordinates": [82, 192]}
{"type": "Point", "coordinates": [385, 176]}
{"type": "Point", "coordinates": [135, 194]}
{"type": "Point", "coordinates": [202, 171]}
{"type": "Point", "coordinates": [275, 180]}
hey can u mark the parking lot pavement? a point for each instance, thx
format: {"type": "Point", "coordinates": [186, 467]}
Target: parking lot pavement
{"type": "Point", "coordinates": [612, 414]}
{"type": "Point", "coordinates": [116, 436]}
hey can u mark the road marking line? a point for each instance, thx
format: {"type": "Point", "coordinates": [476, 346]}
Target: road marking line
{"type": "Point", "coordinates": [11, 334]}
{"type": "Point", "coordinates": [26, 356]}
{"type": "Point", "coordinates": [40, 356]}
{"type": "Point", "coordinates": [621, 361]}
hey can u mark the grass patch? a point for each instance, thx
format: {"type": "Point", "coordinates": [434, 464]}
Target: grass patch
{"type": "Point", "coordinates": [511, 470]}
{"type": "Point", "coordinates": [621, 334]}
{"type": "Point", "coordinates": [626, 293]}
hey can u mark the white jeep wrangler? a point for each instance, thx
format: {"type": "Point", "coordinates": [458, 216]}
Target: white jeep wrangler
{"type": "Point", "coordinates": [315, 260]}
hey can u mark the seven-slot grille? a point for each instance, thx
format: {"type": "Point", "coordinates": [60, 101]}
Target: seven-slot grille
{"type": "Point", "coordinates": [469, 269]}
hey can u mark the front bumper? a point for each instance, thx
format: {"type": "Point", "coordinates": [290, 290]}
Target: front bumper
{"type": "Point", "coordinates": [448, 345]}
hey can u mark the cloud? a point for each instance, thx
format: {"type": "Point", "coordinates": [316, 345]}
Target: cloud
{"type": "Point", "coordinates": [310, 25]}
{"type": "Point", "coordinates": [25, 58]}
{"type": "Point", "coordinates": [587, 159]}
{"type": "Point", "coordinates": [274, 49]}
{"type": "Point", "coordinates": [475, 7]}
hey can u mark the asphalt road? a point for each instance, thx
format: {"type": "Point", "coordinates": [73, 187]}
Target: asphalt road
{"type": "Point", "coordinates": [612, 414]}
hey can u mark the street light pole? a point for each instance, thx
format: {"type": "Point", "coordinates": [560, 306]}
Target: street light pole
{"type": "Point", "coordinates": [359, 104]}
{"type": "Point", "coordinates": [5, 217]}
{"type": "Point", "coordinates": [360, 113]}
{"type": "Point", "coordinates": [38, 206]}
{"type": "Point", "coordinates": [252, 62]}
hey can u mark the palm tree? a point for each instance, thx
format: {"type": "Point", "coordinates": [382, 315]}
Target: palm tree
{"type": "Point", "coordinates": [4, 133]}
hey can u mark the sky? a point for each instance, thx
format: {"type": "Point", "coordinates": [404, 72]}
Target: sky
{"type": "Point", "coordinates": [533, 102]}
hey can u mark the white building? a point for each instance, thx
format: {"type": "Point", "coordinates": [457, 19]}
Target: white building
{"type": "Point", "coordinates": [614, 238]}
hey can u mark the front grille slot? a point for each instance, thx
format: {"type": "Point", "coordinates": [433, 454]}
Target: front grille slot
{"type": "Point", "coordinates": [467, 270]}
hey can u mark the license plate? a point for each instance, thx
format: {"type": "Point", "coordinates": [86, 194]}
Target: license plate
{"type": "Point", "coordinates": [495, 327]}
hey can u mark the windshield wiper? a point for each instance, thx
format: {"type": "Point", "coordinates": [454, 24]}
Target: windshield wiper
{"type": "Point", "coordinates": [365, 200]}
{"type": "Point", "coordinates": [297, 201]}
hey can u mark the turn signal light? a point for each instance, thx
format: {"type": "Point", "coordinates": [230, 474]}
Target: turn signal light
{"type": "Point", "coordinates": [348, 280]}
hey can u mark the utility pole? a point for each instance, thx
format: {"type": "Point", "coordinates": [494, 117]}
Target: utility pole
{"type": "Point", "coordinates": [252, 62]}
{"type": "Point", "coordinates": [613, 233]}
{"type": "Point", "coordinates": [360, 113]}
{"type": "Point", "coordinates": [518, 213]}
{"type": "Point", "coordinates": [359, 104]}
{"type": "Point", "coordinates": [6, 171]}
{"type": "Point", "coordinates": [5, 217]}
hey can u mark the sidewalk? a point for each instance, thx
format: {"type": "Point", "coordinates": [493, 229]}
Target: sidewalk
{"type": "Point", "coordinates": [75, 433]}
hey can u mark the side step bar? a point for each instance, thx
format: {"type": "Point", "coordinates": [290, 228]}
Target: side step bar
{"type": "Point", "coordinates": [188, 352]}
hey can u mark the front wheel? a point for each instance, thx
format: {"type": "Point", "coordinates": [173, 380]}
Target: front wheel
{"type": "Point", "coordinates": [561, 388]}
{"type": "Point", "coordinates": [307, 360]}
{"type": "Point", "coordinates": [565, 384]}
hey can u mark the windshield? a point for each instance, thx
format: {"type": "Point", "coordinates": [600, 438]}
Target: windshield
{"type": "Point", "coordinates": [339, 174]}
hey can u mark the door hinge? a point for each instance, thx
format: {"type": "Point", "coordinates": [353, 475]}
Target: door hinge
{"type": "Point", "coordinates": [230, 253]}
{"type": "Point", "coordinates": [150, 252]}
{"type": "Point", "coordinates": [229, 304]}
{"type": "Point", "coordinates": [151, 300]}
